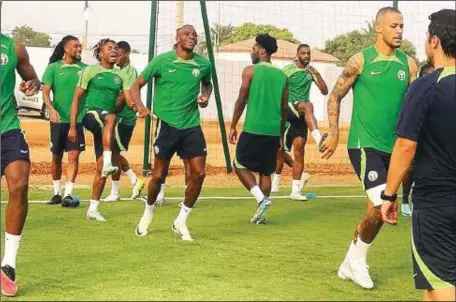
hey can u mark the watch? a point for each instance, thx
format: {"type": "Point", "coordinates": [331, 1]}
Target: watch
{"type": "Point", "coordinates": [387, 197]}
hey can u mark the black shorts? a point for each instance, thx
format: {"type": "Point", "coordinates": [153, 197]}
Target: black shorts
{"type": "Point", "coordinates": [13, 147]}
{"type": "Point", "coordinates": [123, 137]}
{"type": "Point", "coordinates": [370, 165]}
{"type": "Point", "coordinates": [434, 247]}
{"type": "Point", "coordinates": [257, 153]}
{"type": "Point", "coordinates": [187, 143]}
{"type": "Point", "coordinates": [298, 124]}
{"type": "Point", "coordinates": [59, 138]}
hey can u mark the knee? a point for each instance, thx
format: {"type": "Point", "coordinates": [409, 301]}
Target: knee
{"type": "Point", "coordinates": [110, 119]}
{"type": "Point", "coordinates": [73, 158]}
{"type": "Point", "coordinates": [160, 176]}
{"type": "Point", "coordinates": [199, 175]}
{"type": "Point", "coordinates": [57, 158]}
{"type": "Point", "coordinates": [18, 187]}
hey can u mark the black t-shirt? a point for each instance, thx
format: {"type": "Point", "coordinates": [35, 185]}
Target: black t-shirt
{"type": "Point", "coordinates": [429, 117]}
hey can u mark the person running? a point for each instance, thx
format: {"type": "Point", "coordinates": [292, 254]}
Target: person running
{"type": "Point", "coordinates": [15, 154]}
{"type": "Point", "coordinates": [301, 116]}
{"type": "Point", "coordinates": [61, 77]}
{"type": "Point", "coordinates": [101, 84]}
{"type": "Point", "coordinates": [264, 90]}
{"type": "Point", "coordinates": [179, 76]}
{"type": "Point", "coordinates": [406, 206]}
{"type": "Point", "coordinates": [124, 129]}
{"type": "Point", "coordinates": [380, 75]}
{"type": "Point", "coordinates": [425, 136]}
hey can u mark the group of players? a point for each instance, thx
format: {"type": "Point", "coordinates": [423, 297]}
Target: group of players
{"type": "Point", "coordinates": [105, 99]}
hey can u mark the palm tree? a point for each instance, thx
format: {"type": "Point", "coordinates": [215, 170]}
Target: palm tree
{"type": "Point", "coordinates": [219, 34]}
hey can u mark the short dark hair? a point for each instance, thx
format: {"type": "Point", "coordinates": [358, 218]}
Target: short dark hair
{"type": "Point", "coordinates": [186, 25]}
{"type": "Point", "coordinates": [425, 69]}
{"type": "Point", "coordinates": [443, 26]}
{"type": "Point", "coordinates": [302, 45]}
{"type": "Point", "coordinates": [386, 10]}
{"type": "Point", "coordinates": [124, 45]}
{"type": "Point", "coordinates": [268, 42]}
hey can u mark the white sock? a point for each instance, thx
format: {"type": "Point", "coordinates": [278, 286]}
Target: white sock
{"type": "Point", "coordinates": [11, 247]}
{"type": "Point", "coordinates": [360, 249]}
{"type": "Point", "coordinates": [132, 176]}
{"type": "Point", "coordinates": [68, 188]}
{"type": "Point", "coordinates": [56, 184]}
{"type": "Point", "coordinates": [107, 155]}
{"type": "Point", "coordinates": [276, 178]}
{"type": "Point", "coordinates": [183, 214]}
{"type": "Point", "coordinates": [257, 193]}
{"type": "Point", "coordinates": [93, 205]}
{"type": "Point", "coordinates": [161, 194]}
{"type": "Point", "coordinates": [316, 135]}
{"type": "Point", "coordinates": [115, 187]}
{"type": "Point", "coordinates": [149, 210]}
{"type": "Point", "coordinates": [295, 185]}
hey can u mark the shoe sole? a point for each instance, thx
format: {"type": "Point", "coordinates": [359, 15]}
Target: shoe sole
{"type": "Point", "coordinates": [107, 173]}
{"type": "Point", "coordinates": [9, 294]}
{"type": "Point", "coordinates": [345, 276]}
{"type": "Point", "coordinates": [139, 192]}
{"type": "Point", "coordinates": [298, 199]}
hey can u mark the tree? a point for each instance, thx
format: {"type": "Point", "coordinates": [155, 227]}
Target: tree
{"type": "Point", "coordinates": [250, 30]}
{"type": "Point", "coordinates": [27, 36]}
{"type": "Point", "coordinates": [221, 33]}
{"type": "Point", "coordinates": [344, 46]}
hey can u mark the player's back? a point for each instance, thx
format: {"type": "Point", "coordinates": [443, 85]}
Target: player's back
{"type": "Point", "coordinates": [8, 79]}
{"type": "Point", "coordinates": [435, 158]}
{"type": "Point", "coordinates": [264, 106]}
{"type": "Point", "coordinates": [378, 94]}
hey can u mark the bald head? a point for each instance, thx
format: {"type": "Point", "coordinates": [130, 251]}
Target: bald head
{"type": "Point", "coordinates": [388, 25]}
{"type": "Point", "coordinates": [386, 11]}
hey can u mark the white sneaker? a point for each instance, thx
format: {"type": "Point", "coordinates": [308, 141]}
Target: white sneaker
{"type": "Point", "coordinates": [108, 170]}
{"type": "Point", "coordinates": [160, 201]}
{"type": "Point", "coordinates": [304, 179]}
{"type": "Point", "coordinates": [275, 186]}
{"type": "Point", "coordinates": [137, 188]}
{"type": "Point", "coordinates": [297, 195]}
{"type": "Point", "coordinates": [95, 215]}
{"type": "Point", "coordinates": [182, 230]}
{"type": "Point", "coordinates": [357, 271]}
{"type": "Point", "coordinates": [142, 229]}
{"type": "Point", "coordinates": [112, 197]}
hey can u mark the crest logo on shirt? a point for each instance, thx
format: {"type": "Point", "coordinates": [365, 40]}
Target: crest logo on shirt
{"type": "Point", "coordinates": [4, 59]}
{"type": "Point", "coordinates": [117, 80]}
{"type": "Point", "coordinates": [401, 75]}
{"type": "Point", "coordinates": [79, 73]}
{"type": "Point", "coordinates": [196, 72]}
{"type": "Point", "coordinates": [372, 176]}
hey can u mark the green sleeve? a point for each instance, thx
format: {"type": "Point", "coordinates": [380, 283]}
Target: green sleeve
{"type": "Point", "coordinates": [152, 69]}
{"type": "Point", "coordinates": [48, 77]}
{"type": "Point", "coordinates": [208, 75]}
{"type": "Point", "coordinates": [85, 77]}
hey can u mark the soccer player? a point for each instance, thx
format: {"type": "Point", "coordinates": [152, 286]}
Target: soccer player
{"type": "Point", "coordinates": [425, 133]}
{"type": "Point", "coordinates": [179, 75]}
{"type": "Point", "coordinates": [301, 116]}
{"type": "Point", "coordinates": [264, 90]}
{"type": "Point", "coordinates": [15, 156]}
{"type": "Point", "coordinates": [380, 75]}
{"type": "Point", "coordinates": [126, 121]}
{"type": "Point", "coordinates": [61, 77]}
{"type": "Point", "coordinates": [101, 84]}
{"type": "Point", "coordinates": [407, 182]}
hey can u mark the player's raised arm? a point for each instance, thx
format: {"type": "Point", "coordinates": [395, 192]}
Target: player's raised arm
{"type": "Point", "coordinates": [247, 76]}
{"type": "Point", "coordinates": [31, 84]}
{"type": "Point", "coordinates": [318, 80]}
{"type": "Point", "coordinates": [344, 84]}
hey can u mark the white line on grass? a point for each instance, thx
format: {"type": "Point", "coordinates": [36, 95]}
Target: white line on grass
{"type": "Point", "coordinates": [219, 198]}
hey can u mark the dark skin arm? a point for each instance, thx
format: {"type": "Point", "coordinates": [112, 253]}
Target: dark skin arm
{"type": "Point", "coordinates": [133, 97]}
{"type": "Point", "coordinates": [247, 76]}
{"type": "Point", "coordinates": [31, 84]}
{"type": "Point", "coordinates": [78, 94]}
{"type": "Point", "coordinates": [321, 84]}
{"type": "Point", "coordinates": [55, 118]}
{"type": "Point", "coordinates": [206, 90]}
{"type": "Point", "coordinates": [344, 84]}
{"type": "Point", "coordinates": [120, 102]}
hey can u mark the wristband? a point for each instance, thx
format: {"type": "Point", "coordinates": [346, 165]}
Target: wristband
{"type": "Point", "coordinates": [387, 197]}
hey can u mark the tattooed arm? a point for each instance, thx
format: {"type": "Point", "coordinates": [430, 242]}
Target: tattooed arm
{"type": "Point", "coordinates": [344, 84]}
